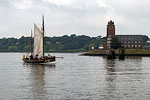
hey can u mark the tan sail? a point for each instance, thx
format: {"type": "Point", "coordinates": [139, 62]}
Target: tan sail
{"type": "Point", "coordinates": [38, 42]}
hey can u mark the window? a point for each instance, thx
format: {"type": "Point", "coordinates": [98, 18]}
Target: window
{"type": "Point", "coordinates": [109, 38]}
{"type": "Point", "coordinates": [139, 46]}
{"type": "Point", "coordinates": [132, 46]}
{"type": "Point", "coordinates": [108, 42]}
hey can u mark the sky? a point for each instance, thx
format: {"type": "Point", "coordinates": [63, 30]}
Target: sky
{"type": "Point", "coordinates": [81, 17]}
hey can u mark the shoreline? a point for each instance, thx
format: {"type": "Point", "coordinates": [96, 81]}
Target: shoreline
{"type": "Point", "coordinates": [128, 52]}
{"type": "Point", "coordinates": [45, 52]}
{"type": "Point", "coordinates": [144, 55]}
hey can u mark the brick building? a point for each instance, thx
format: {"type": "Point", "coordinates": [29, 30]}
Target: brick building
{"type": "Point", "coordinates": [110, 33]}
{"type": "Point", "coordinates": [128, 41]}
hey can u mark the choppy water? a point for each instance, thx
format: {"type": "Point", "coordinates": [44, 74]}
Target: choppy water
{"type": "Point", "coordinates": [75, 78]}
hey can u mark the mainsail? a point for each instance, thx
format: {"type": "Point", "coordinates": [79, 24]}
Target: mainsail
{"type": "Point", "coordinates": [38, 42]}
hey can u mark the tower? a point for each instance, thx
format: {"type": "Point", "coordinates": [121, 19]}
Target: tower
{"type": "Point", "coordinates": [110, 32]}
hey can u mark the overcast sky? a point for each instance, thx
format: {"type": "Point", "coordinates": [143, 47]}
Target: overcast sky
{"type": "Point", "coordinates": [65, 17]}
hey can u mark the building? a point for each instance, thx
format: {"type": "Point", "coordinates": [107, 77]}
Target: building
{"type": "Point", "coordinates": [127, 41]}
{"type": "Point", "coordinates": [110, 33]}
{"type": "Point", "coordinates": [130, 41]}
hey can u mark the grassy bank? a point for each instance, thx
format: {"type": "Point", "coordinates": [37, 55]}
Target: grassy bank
{"type": "Point", "coordinates": [127, 52]}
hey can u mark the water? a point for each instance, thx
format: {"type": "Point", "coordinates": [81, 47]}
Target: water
{"type": "Point", "coordinates": [75, 78]}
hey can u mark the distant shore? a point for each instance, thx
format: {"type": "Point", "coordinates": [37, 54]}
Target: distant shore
{"type": "Point", "coordinates": [45, 52]}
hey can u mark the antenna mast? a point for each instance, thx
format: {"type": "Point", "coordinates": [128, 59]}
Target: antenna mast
{"type": "Point", "coordinates": [31, 42]}
{"type": "Point", "coordinates": [43, 34]}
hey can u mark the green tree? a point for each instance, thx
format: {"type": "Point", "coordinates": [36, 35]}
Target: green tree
{"type": "Point", "coordinates": [12, 48]}
{"type": "Point", "coordinates": [115, 44]}
{"type": "Point", "coordinates": [27, 49]}
{"type": "Point", "coordinates": [60, 43]}
{"type": "Point", "coordinates": [144, 39]}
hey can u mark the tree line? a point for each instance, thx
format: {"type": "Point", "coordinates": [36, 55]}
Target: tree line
{"type": "Point", "coordinates": [72, 43]}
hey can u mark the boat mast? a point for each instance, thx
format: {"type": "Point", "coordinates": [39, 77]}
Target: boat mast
{"type": "Point", "coordinates": [43, 34]}
{"type": "Point", "coordinates": [31, 43]}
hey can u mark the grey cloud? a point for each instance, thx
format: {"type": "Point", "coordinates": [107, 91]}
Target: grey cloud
{"type": "Point", "coordinates": [81, 16]}
{"type": "Point", "coordinates": [4, 3]}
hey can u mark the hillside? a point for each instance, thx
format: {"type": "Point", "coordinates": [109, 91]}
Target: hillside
{"type": "Point", "coordinates": [64, 43]}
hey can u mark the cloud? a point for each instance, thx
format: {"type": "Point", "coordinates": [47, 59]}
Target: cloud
{"type": "Point", "coordinates": [60, 2]}
{"type": "Point", "coordinates": [21, 4]}
{"type": "Point", "coordinates": [87, 17]}
{"type": "Point", "coordinates": [131, 16]}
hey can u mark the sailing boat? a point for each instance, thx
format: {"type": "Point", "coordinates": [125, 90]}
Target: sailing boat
{"type": "Point", "coordinates": [38, 55]}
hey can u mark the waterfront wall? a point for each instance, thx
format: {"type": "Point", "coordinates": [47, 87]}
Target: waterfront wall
{"type": "Point", "coordinates": [128, 52]}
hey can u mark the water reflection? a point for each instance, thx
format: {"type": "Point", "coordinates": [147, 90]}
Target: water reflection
{"type": "Point", "coordinates": [110, 66]}
{"type": "Point", "coordinates": [37, 78]}
{"type": "Point", "coordinates": [110, 79]}
{"type": "Point", "coordinates": [122, 75]}
{"type": "Point", "coordinates": [133, 57]}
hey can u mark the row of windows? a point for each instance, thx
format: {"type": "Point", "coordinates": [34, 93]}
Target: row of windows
{"type": "Point", "coordinates": [133, 46]}
{"type": "Point", "coordinates": [128, 38]}
{"type": "Point", "coordinates": [130, 42]}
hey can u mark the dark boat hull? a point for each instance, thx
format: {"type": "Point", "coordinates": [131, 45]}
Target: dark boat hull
{"type": "Point", "coordinates": [51, 59]}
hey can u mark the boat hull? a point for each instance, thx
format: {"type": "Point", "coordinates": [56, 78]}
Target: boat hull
{"type": "Point", "coordinates": [52, 59]}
